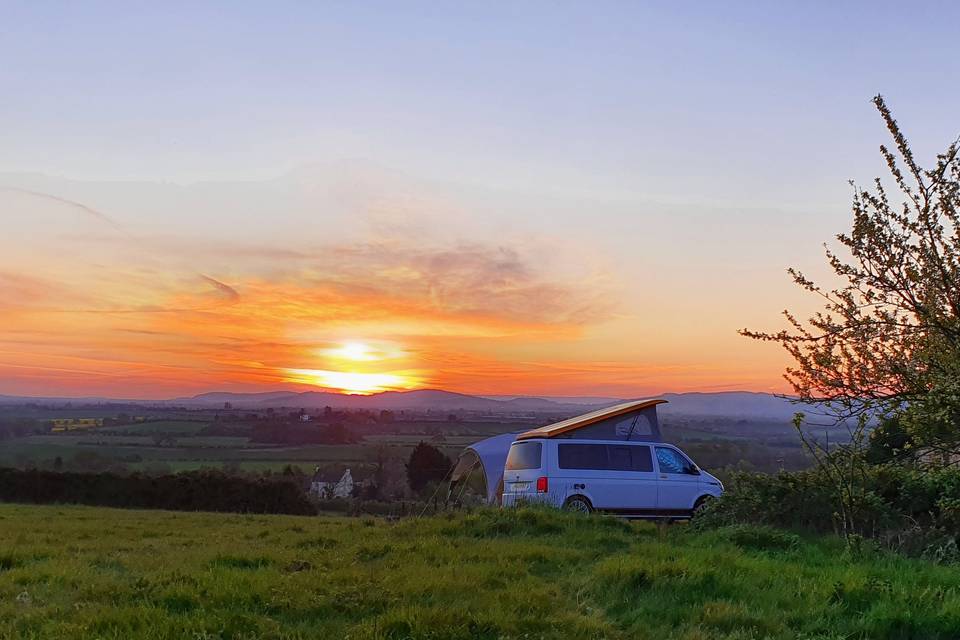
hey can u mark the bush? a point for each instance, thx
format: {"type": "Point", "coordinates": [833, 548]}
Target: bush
{"type": "Point", "coordinates": [192, 491]}
{"type": "Point", "coordinates": [913, 510]}
{"type": "Point", "coordinates": [788, 500]}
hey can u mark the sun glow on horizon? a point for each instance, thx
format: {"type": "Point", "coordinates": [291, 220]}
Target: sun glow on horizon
{"type": "Point", "coordinates": [357, 367]}
{"type": "Point", "coordinates": [354, 382]}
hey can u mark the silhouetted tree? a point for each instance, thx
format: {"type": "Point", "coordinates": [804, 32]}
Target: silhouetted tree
{"type": "Point", "coordinates": [427, 464]}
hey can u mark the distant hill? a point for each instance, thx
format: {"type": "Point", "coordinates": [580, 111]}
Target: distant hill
{"type": "Point", "coordinates": [743, 404]}
{"type": "Point", "coordinates": [219, 397]}
{"type": "Point", "coordinates": [595, 401]}
{"type": "Point", "coordinates": [420, 399]}
{"type": "Point", "coordinates": [739, 404]}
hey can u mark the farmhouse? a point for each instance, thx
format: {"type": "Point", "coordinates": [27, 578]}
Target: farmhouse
{"type": "Point", "coordinates": [331, 484]}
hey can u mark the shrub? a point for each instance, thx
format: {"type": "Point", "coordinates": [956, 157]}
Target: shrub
{"type": "Point", "coordinates": [913, 510]}
{"type": "Point", "coordinates": [192, 491]}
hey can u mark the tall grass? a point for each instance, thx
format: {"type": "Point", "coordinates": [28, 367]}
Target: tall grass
{"type": "Point", "coordinates": [81, 572]}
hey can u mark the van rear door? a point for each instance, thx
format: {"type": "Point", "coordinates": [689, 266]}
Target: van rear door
{"type": "Point", "coordinates": [523, 467]}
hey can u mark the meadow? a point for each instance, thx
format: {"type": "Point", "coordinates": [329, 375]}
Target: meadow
{"type": "Point", "coordinates": [81, 572]}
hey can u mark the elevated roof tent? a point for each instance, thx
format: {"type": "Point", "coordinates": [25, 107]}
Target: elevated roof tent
{"type": "Point", "coordinates": [636, 420]}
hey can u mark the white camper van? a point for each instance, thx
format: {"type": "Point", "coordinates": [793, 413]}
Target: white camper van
{"type": "Point", "coordinates": [610, 460]}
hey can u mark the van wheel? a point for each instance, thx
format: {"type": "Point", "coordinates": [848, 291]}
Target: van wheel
{"type": "Point", "coordinates": [701, 504]}
{"type": "Point", "coordinates": [577, 504]}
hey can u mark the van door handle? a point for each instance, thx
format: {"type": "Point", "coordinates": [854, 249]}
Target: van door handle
{"type": "Point", "coordinates": [663, 476]}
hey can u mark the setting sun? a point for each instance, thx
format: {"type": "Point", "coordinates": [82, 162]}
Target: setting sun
{"type": "Point", "coordinates": [354, 382]}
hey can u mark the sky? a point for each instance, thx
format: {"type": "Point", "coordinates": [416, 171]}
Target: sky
{"type": "Point", "coordinates": [542, 198]}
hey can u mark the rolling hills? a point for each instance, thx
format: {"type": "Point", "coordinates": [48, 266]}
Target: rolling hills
{"type": "Point", "coordinates": [739, 404]}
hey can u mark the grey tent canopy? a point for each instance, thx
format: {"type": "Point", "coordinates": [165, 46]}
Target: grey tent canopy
{"type": "Point", "coordinates": [488, 456]}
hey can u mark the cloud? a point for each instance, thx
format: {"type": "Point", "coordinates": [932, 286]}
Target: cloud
{"type": "Point", "coordinates": [149, 315]}
{"type": "Point", "coordinates": [90, 211]}
{"type": "Point", "coordinates": [229, 293]}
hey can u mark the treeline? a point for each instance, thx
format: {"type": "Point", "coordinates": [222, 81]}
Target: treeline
{"type": "Point", "coordinates": [22, 427]}
{"type": "Point", "coordinates": [190, 491]}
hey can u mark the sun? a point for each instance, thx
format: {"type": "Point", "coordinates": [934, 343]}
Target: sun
{"type": "Point", "coordinates": [356, 367]}
{"type": "Point", "coordinates": [355, 382]}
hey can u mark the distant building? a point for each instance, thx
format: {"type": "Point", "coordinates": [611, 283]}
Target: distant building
{"type": "Point", "coordinates": [329, 485]}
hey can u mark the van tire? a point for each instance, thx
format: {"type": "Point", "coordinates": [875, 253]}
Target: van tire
{"type": "Point", "coordinates": [702, 502]}
{"type": "Point", "coordinates": [577, 504]}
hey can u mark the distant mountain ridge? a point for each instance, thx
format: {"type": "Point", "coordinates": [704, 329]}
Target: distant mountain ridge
{"type": "Point", "coordinates": [739, 404]}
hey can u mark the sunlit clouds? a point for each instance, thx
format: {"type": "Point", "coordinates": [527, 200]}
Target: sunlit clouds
{"type": "Point", "coordinates": [93, 308]}
{"type": "Point", "coordinates": [98, 301]}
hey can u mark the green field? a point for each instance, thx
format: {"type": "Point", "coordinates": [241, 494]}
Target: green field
{"type": "Point", "coordinates": [137, 452]}
{"type": "Point", "coordinates": [164, 427]}
{"type": "Point", "coordinates": [80, 572]}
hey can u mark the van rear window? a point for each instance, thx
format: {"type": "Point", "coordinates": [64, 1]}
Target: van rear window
{"type": "Point", "coordinates": [524, 455]}
{"type": "Point", "coordinates": [604, 457]}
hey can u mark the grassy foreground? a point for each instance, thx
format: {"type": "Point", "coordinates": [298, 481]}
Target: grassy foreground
{"type": "Point", "coordinates": [79, 572]}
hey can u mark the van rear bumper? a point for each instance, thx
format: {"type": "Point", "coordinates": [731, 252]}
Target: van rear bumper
{"type": "Point", "coordinates": [520, 499]}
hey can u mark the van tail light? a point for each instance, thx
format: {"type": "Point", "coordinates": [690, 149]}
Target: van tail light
{"type": "Point", "coordinates": [542, 484]}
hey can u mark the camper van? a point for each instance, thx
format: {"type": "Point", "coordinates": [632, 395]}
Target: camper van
{"type": "Point", "coordinates": [646, 480]}
{"type": "Point", "coordinates": [611, 460]}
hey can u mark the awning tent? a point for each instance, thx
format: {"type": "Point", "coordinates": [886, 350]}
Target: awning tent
{"type": "Point", "coordinates": [488, 457]}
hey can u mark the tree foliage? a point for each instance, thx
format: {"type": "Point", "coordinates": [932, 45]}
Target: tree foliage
{"type": "Point", "coordinates": [427, 465]}
{"type": "Point", "coordinates": [888, 337]}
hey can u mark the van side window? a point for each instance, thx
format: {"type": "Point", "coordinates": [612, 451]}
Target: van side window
{"type": "Point", "coordinates": [604, 457]}
{"type": "Point", "coordinates": [582, 456]}
{"type": "Point", "coordinates": [629, 458]}
{"type": "Point", "coordinates": [620, 458]}
{"type": "Point", "coordinates": [524, 455]}
{"type": "Point", "coordinates": [671, 461]}
{"type": "Point", "coordinates": [642, 461]}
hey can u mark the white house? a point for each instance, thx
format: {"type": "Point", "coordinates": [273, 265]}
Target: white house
{"type": "Point", "coordinates": [327, 485]}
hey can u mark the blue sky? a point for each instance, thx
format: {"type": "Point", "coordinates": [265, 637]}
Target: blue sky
{"type": "Point", "coordinates": [599, 95]}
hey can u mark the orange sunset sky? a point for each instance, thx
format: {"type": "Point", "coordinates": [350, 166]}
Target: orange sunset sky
{"type": "Point", "coordinates": [350, 279]}
{"type": "Point", "coordinates": [541, 198]}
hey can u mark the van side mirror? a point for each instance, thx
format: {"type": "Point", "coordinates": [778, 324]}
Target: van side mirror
{"type": "Point", "coordinates": [692, 470]}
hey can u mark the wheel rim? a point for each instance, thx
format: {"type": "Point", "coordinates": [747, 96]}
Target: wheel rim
{"type": "Point", "coordinates": [701, 506]}
{"type": "Point", "coordinates": [579, 506]}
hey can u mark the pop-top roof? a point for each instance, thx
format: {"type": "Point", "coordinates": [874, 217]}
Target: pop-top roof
{"type": "Point", "coordinates": [565, 426]}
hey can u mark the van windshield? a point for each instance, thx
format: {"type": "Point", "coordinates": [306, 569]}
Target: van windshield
{"type": "Point", "coordinates": [524, 455]}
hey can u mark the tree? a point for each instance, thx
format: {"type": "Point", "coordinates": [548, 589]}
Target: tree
{"type": "Point", "coordinates": [427, 465]}
{"type": "Point", "coordinates": [888, 338]}
{"type": "Point", "coordinates": [389, 479]}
